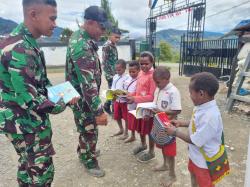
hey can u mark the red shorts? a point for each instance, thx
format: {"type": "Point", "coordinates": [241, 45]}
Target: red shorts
{"type": "Point", "coordinates": [202, 175]}
{"type": "Point", "coordinates": [168, 150]}
{"type": "Point", "coordinates": [132, 122]}
{"type": "Point", "coordinates": [144, 126]}
{"type": "Point", "coordinates": [120, 111]}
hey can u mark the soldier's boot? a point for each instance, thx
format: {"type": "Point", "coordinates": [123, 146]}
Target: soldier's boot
{"type": "Point", "coordinates": [96, 172]}
{"type": "Point", "coordinates": [97, 152]}
{"type": "Point", "coordinates": [106, 107]}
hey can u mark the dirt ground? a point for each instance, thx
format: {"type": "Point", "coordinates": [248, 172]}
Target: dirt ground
{"type": "Point", "coordinates": [122, 168]}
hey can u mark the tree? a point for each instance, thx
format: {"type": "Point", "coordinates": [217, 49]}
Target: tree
{"type": "Point", "coordinates": [106, 6]}
{"type": "Point", "coordinates": [165, 51]}
{"type": "Point", "coordinates": [65, 35]}
{"type": "Point", "coordinates": [176, 57]}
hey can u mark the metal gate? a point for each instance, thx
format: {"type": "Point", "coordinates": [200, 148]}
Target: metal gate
{"type": "Point", "coordinates": [215, 56]}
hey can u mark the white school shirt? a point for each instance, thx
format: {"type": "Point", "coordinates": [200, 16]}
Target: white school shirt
{"type": "Point", "coordinates": [167, 98]}
{"type": "Point", "coordinates": [130, 86]}
{"type": "Point", "coordinates": [118, 83]}
{"type": "Point", "coordinates": [209, 127]}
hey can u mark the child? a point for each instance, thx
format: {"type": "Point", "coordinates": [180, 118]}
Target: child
{"type": "Point", "coordinates": [205, 127]}
{"type": "Point", "coordinates": [167, 99]}
{"type": "Point", "coordinates": [144, 93]}
{"type": "Point", "coordinates": [120, 105]}
{"type": "Point", "coordinates": [130, 85]}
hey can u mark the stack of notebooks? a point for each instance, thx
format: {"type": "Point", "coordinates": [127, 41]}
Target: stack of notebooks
{"type": "Point", "coordinates": [143, 110]}
{"type": "Point", "coordinates": [158, 132]}
{"type": "Point", "coordinates": [114, 94]}
{"type": "Point", "coordinates": [64, 90]}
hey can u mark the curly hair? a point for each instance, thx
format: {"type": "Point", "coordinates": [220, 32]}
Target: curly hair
{"type": "Point", "coordinates": [149, 55]}
{"type": "Point", "coordinates": [134, 63]}
{"type": "Point", "coordinates": [204, 81]}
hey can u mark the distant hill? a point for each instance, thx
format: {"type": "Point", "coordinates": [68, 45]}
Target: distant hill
{"type": "Point", "coordinates": [55, 36]}
{"type": "Point", "coordinates": [6, 26]}
{"type": "Point", "coordinates": [173, 37]}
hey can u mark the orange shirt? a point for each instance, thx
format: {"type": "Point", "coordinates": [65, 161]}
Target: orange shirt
{"type": "Point", "coordinates": [145, 87]}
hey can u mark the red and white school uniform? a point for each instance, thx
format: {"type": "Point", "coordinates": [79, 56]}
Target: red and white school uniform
{"type": "Point", "coordinates": [165, 99]}
{"type": "Point", "coordinates": [130, 85]}
{"type": "Point", "coordinates": [120, 104]}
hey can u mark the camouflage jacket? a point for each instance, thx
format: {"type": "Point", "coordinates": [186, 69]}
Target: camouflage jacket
{"type": "Point", "coordinates": [109, 59]}
{"type": "Point", "coordinates": [23, 82]}
{"type": "Point", "coordinates": [83, 70]}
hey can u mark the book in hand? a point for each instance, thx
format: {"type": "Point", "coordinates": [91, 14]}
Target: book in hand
{"type": "Point", "coordinates": [158, 132]}
{"type": "Point", "coordinates": [144, 110]}
{"type": "Point", "coordinates": [64, 90]}
{"type": "Point", "coordinates": [114, 94]}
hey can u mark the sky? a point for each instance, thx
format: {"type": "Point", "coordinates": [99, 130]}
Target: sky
{"type": "Point", "coordinates": [132, 14]}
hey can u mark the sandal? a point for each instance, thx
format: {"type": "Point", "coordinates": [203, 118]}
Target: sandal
{"type": "Point", "coordinates": [139, 149]}
{"type": "Point", "coordinates": [146, 157]}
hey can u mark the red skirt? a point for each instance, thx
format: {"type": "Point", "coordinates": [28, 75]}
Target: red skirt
{"type": "Point", "coordinates": [120, 111]}
{"type": "Point", "coordinates": [144, 126]}
{"type": "Point", "coordinates": [132, 122]}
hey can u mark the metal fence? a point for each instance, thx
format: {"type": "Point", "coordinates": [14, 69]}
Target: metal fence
{"type": "Point", "coordinates": [215, 56]}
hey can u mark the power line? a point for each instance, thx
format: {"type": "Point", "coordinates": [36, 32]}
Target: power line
{"type": "Point", "coordinates": [220, 12]}
{"type": "Point", "coordinates": [228, 9]}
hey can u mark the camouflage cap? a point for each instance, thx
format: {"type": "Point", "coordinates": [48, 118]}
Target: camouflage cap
{"type": "Point", "coordinates": [99, 15]}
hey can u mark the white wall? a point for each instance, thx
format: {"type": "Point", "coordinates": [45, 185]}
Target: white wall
{"type": "Point", "coordinates": [57, 56]}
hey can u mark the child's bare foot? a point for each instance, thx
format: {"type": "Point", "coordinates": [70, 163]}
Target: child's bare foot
{"type": "Point", "coordinates": [167, 182]}
{"type": "Point", "coordinates": [131, 139]}
{"type": "Point", "coordinates": [125, 136]}
{"type": "Point", "coordinates": [161, 168]}
{"type": "Point", "coordinates": [117, 134]}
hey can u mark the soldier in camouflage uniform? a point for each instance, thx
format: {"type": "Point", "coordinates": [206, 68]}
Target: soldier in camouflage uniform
{"type": "Point", "coordinates": [24, 106]}
{"type": "Point", "coordinates": [109, 60]}
{"type": "Point", "coordinates": [84, 72]}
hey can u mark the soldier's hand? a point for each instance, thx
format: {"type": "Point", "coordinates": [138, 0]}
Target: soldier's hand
{"type": "Point", "coordinates": [102, 119]}
{"type": "Point", "coordinates": [61, 103]}
{"type": "Point", "coordinates": [74, 100]}
{"type": "Point", "coordinates": [58, 107]}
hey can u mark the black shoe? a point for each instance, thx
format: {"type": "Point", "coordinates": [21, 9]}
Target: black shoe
{"type": "Point", "coordinates": [96, 172]}
{"type": "Point", "coordinates": [97, 152]}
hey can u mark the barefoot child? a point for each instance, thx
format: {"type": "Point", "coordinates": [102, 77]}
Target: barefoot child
{"type": "Point", "coordinates": [144, 93]}
{"type": "Point", "coordinates": [120, 105]}
{"type": "Point", "coordinates": [130, 85]}
{"type": "Point", "coordinates": [167, 99]}
{"type": "Point", "coordinates": [205, 129]}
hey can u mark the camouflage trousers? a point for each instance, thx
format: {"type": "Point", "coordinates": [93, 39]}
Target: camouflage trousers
{"type": "Point", "coordinates": [87, 139]}
{"type": "Point", "coordinates": [35, 152]}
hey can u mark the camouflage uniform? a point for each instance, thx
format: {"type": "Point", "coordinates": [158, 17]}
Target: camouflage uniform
{"type": "Point", "coordinates": [83, 71]}
{"type": "Point", "coordinates": [24, 107]}
{"type": "Point", "coordinates": [109, 60]}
